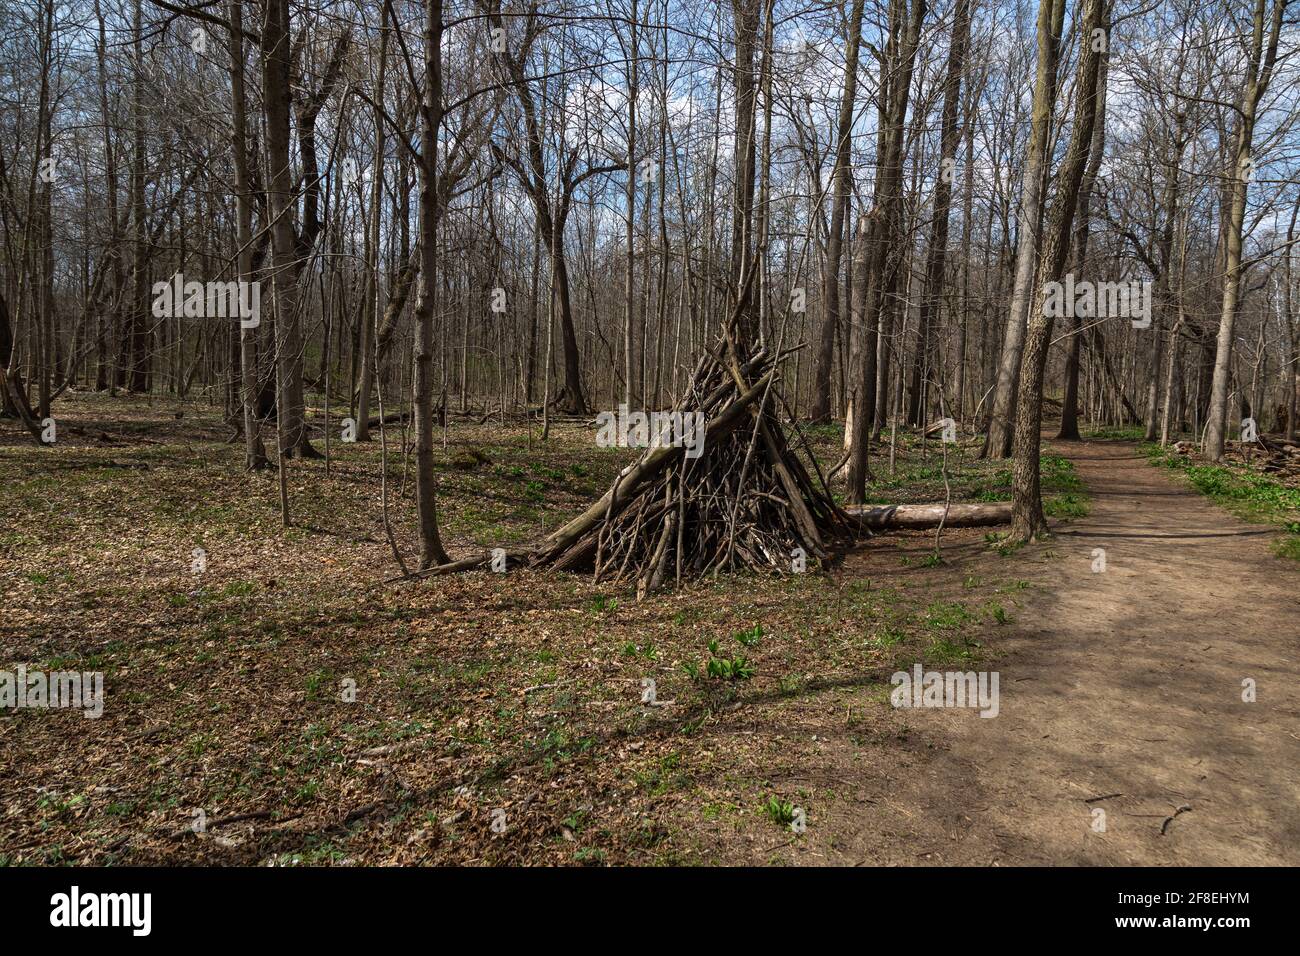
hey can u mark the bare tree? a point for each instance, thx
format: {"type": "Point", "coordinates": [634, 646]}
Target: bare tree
{"type": "Point", "coordinates": [1261, 57]}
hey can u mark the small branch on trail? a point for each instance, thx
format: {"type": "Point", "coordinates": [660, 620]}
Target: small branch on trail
{"type": "Point", "coordinates": [1177, 813]}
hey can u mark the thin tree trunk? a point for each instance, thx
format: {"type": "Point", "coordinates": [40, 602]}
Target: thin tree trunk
{"type": "Point", "coordinates": [369, 366]}
{"type": "Point", "coordinates": [936, 255]}
{"type": "Point", "coordinates": [254, 450]}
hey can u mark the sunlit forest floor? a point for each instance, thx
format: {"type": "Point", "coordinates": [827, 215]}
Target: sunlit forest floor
{"type": "Point", "coordinates": [498, 718]}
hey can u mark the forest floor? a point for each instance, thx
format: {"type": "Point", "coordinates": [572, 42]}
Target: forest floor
{"type": "Point", "coordinates": [498, 718]}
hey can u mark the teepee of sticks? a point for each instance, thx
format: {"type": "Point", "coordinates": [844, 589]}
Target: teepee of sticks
{"type": "Point", "coordinates": [746, 501]}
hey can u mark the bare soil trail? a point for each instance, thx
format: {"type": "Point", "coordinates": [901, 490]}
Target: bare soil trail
{"type": "Point", "coordinates": [1121, 691]}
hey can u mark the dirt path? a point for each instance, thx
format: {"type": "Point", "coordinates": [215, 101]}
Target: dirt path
{"type": "Point", "coordinates": [1123, 688]}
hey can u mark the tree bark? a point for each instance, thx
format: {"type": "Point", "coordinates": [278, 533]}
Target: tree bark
{"type": "Point", "coordinates": [254, 450]}
{"type": "Point", "coordinates": [370, 329]}
{"type": "Point", "coordinates": [841, 178]}
{"type": "Point", "coordinates": [1028, 520]}
{"type": "Point", "coordinates": [431, 548]}
{"type": "Point", "coordinates": [1259, 72]}
{"type": "Point", "coordinates": [936, 255]}
{"type": "Point", "coordinates": [1029, 218]}
{"type": "Point", "coordinates": [289, 404]}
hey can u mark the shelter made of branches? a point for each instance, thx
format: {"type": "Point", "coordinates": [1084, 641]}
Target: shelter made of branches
{"type": "Point", "coordinates": [746, 501]}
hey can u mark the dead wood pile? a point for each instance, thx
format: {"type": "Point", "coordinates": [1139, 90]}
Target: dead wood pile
{"type": "Point", "coordinates": [743, 498]}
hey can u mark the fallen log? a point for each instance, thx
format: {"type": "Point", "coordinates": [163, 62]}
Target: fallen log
{"type": "Point", "coordinates": [881, 517]}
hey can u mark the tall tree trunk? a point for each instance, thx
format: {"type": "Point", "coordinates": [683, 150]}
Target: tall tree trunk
{"type": "Point", "coordinates": [1027, 517]}
{"type": "Point", "coordinates": [862, 372]}
{"type": "Point", "coordinates": [1292, 332]}
{"type": "Point", "coordinates": [288, 325]}
{"type": "Point", "coordinates": [936, 255]}
{"type": "Point", "coordinates": [1029, 218]}
{"type": "Point", "coordinates": [841, 178]}
{"type": "Point", "coordinates": [1259, 72]}
{"type": "Point", "coordinates": [254, 450]}
{"type": "Point", "coordinates": [114, 252]}
{"type": "Point", "coordinates": [1164, 300]}
{"type": "Point", "coordinates": [431, 549]}
{"type": "Point", "coordinates": [1069, 430]}
{"type": "Point", "coordinates": [139, 309]}
{"type": "Point", "coordinates": [631, 394]}
{"type": "Point", "coordinates": [370, 328]}
{"type": "Point", "coordinates": [745, 15]}
{"type": "Point", "coordinates": [881, 237]}
{"type": "Point", "coordinates": [895, 250]}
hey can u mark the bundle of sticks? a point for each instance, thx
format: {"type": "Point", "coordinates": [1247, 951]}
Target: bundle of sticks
{"type": "Point", "coordinates": [743, 499]}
